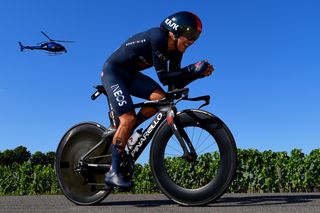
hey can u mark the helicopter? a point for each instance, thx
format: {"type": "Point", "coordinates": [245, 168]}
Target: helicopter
{"type": "Point", "coordinates": [52, 46]}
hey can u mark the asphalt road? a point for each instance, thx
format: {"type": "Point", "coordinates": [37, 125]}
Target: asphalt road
{"type": "Point", "coordinates": [309, 202]}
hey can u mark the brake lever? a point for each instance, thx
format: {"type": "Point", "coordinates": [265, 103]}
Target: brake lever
{"type": "Point", "coordinates": [207, 102]}
{"type": "Point", "coordinates": [205, 98]}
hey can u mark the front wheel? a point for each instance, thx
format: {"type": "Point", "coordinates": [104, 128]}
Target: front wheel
{"type": "Point", "coordinates": [204, 178]}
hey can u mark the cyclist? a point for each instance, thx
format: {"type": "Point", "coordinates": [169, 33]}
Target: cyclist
{"type": "Point", "coordinates": [163, 48]}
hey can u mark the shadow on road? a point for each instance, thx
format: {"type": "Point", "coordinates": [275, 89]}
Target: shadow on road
{"type": "Point", "coordinates": [227, 201]}
{"type": "Point", "coordinates": [262, 200]}
{"type": "Point", "coordinates": [138, 203]}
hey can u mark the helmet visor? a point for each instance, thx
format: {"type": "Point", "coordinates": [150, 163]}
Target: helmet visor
{"type": "Point", "coordinates": [190, 33]}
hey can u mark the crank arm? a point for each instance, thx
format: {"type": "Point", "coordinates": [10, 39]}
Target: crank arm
{"type": "Point", "coordinates": [98, 168]}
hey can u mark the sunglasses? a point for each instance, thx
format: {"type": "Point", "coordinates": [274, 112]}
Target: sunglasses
{"type": "Point", "coordinates": [190, 33]}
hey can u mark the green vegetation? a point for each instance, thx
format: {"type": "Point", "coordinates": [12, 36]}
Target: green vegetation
{"type": "Point", "coordinates": [24, 174]}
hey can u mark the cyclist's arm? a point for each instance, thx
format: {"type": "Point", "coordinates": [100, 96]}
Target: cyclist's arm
{"type": "Point", "coordinates": [187, 75]}
{"type": "Point", "coordinates": [180, 78]}
{"type": "Point", "coordinates": [174, 74]}
{"type": "Point", "coordinates": [160, 58]}
{"type": "Point", "coordinates": [185, 79]}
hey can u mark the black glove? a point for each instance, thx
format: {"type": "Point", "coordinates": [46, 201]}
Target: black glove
{"type": "Point", "coordinates": [198, 68]}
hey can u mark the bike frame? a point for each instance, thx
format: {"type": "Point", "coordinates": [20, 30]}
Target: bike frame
{"type": "Point", "coordinates": [166, 111]}
{"type": "Point", "coordinates": [146, 136]}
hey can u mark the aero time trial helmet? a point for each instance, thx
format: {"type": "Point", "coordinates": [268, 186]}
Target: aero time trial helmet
{"type": "Point", "coordinates": [183, 24]}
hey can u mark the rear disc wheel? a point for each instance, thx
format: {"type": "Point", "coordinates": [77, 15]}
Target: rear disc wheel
{"type": "Point", "coordinates": [82, 188]}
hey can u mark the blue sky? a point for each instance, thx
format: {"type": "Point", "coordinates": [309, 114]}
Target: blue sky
{"type": "Point", "coordinates": [266, 55]}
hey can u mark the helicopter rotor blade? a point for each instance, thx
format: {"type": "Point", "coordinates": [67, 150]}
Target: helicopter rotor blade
{"type": "Point", "coordinates": [54, 39]}
{"type": "Point", "coordinates": [64, 41]}
{"type": "Point", "coordinates": [46, 36]}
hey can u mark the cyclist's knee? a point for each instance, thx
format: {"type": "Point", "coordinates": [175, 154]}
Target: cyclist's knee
{"type": "Point", "coordinates": [157, 94]}
{"type": "Point", "coordinates": [128, 120]}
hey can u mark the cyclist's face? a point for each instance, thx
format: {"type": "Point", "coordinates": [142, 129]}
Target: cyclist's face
{"type": "Point", "coordinates": [183, 43]}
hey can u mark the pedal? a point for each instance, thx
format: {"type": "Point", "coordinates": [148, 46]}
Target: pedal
{"type": "Point", "coordinates": [125, 189]}
{"type": "Point", "coordinates": [107, 188]}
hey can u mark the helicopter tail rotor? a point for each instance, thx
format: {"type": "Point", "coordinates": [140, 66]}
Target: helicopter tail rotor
{"type": "Point", "coordinates": [21, 46]}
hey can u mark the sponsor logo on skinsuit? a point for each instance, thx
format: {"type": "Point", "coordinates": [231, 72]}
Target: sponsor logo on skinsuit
{"type": "Point", "coordinates": [118, 94]}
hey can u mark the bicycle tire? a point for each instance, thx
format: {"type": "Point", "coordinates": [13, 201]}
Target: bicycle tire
{"type": "Point", "coordinates": [77, 141]}
{"type": "Point", "coordinates": [215, 183]}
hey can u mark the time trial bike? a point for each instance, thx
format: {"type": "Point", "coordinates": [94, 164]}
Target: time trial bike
{"type": "Point", "coordinates": [193, 154]}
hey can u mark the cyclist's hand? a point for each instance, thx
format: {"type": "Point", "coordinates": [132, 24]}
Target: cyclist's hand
{"type": "Point", "coordinates": [202, 68]}
{"type": "Point", "coordinates": [209, 70]}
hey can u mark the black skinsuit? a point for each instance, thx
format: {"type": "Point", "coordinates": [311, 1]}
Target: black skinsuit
{"type": "Point", "coordinates": [121, 74]}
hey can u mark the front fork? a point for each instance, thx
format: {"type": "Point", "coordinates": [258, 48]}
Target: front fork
{"type": "Point", "coordinates": [189, 152]}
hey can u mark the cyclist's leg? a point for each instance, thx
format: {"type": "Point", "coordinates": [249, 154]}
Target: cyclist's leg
{"type": "Point", "coordinates": [155, 95]}
{"type": "Point", "coordinates": [114, 176]}
{"type": "Point", "coordinates": [146, 88]}
{"type": "Point", "coordinates": [114, 81]}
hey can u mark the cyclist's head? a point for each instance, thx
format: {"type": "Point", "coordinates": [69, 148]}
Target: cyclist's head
{"type": "Point", "coordinates": [184, 24]}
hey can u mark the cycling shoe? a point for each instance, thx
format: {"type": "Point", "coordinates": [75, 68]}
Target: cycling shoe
{"type": "Point", "coordinates": [116, 179]}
